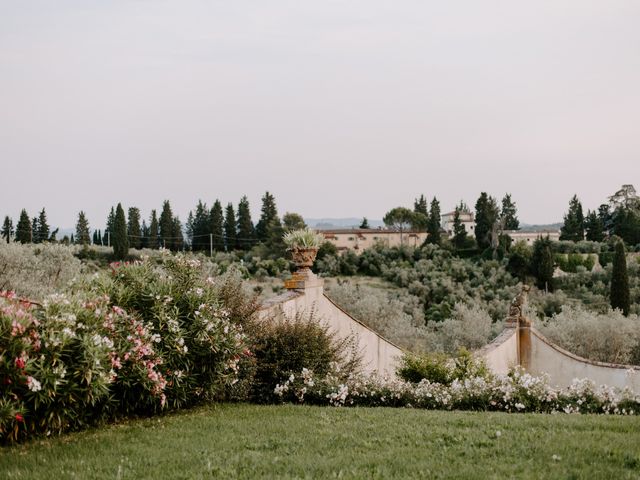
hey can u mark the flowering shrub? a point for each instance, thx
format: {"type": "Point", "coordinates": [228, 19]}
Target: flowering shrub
{"type": "Point", "coordinates": [55, 366]}
{"type": "Point", "coordinates": [515, 392]}
{"type": "Point", "coordinates": [200, 342]}
{"type": "Point", "coordinates": [73, 361]}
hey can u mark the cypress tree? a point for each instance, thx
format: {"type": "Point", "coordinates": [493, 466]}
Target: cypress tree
{"type": "Point", "coordinates": [35, 229]}
{"type": "Point", "coordinates": [217, 226]}
{"type": "Point", "coordinates": [420, 206]}
{"type": "Point", "coordinates": [433, 224]}
{"type": "Point", "coordinates": [364, 225]}
{"type": "Point", "coordinates": [144, 232]}
{"type": "Point", "coordinates": [107, 238]}
{"type": "Point", "coordinates": [82, 230]}
{"type": "Point", "coordinates": [199, 227]}
{"type": "Point", "coordinates": [94, 238]}
{"type": "Point", "coordinates": [509, 214]}
{"type": "Point", "coordinates": [176, 233]}
{"type": "Point", "coordinates": [133, 228]}
{"type": "Point", "coordinates": [43, 227]}
{"type": "Point", "coordinates": [459, 232]}
{"type": "Point", "coordinates": [268, 217]}
{"type": "Point", "coordinates": [23, 228]}
{"type": "Point", "coordinates": [153, 231]}
{"type": "Point", "coordinates": [246, 230]}
{"type": "Point", "coordinates": [620, 295]}
{"type": "Point", "coordinates": [573, 228]}
{"type": "Point", "coordinates": [486, 217]}
{"type": "Point", "coordinates": [594, 227]}
{"type": "Point", "coordinates": [230, 233]}
{"type": "Point", "coordinates": [166, 226]}
{"type": "Point", "coordinates": [542, 264]}
{"type": "Point", "coordinates": [7, 229]}
{"type": "Point", "coordinates": [120, 239]}
{"type": "Point", "coordinates": [99, 237]}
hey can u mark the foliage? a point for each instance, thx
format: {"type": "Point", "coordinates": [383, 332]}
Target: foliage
{"type": "Point", "coordinates": [594, 227]}
{"type": "Point", "coordinates": [7, 229]}
{"type": "Point", "coordinates": [134, 231]}
{"type": "Point", "coordinates": [303, 238]}
{"type": "Point", "coordinates": [606, 337]}
{"type": "Point", "coordinates": [486, 217]}
{"type": "Point", "coordinates": [293, 221]}
{"type": "Point", "coordinates": [82, 230]}
{"type": "Point", "coordinates": [573, 227]}
{"type": "Point", "coordinates": [151, 336]}
{"type": "Point", "coordinates": [246, 231]}
{"type": "Point", "coordinates": [509, 214]}
{"type": "Point", "coordinates": [284, 346]}
{"type": "Point", "coordinates": [515, 392]}
{"type": "Point", "coordinates": [441, 368]}
{"type": "Point", "coordinates": [230, 232]}
{"type": "Point", "coordinates": [401, 218]}
{"type": "Point", "coordinates": [433, 223]}
{"type": "Point", "coordinates": [520, 260]}
{"type": "Point", "coordinates": [23, 228]}
{"type": "Point", "coordinates": [120, 239]}
{"type": "Point", "coordinates": [36, 271]}
{"type": "Point", "coordinates": [542, 265]}
{"type": "Point", "coordinates": [620, 281]}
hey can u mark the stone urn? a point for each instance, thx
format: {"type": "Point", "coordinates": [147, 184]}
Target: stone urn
{"type": "Point", "coordinates": [304, 257]}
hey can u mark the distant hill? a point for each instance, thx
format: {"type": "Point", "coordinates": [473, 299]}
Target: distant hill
{"type": "Point", "coordinates": [337, 223]}
{"type": "Point", "coordinates": [539, 228]}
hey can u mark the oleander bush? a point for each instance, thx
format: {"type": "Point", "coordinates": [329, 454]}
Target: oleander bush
{"type": "Point", "coordinates": [149, 337]}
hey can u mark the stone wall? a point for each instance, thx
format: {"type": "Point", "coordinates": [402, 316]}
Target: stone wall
{"type": "Point", "coordinates": [379, 355]}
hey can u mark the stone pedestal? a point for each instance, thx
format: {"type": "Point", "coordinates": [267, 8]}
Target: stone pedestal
{"type": "Point", "coordinates": [303, 280]}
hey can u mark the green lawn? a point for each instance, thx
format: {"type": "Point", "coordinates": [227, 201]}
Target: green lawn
{"type": "Point", "coordinates": [248, 441]}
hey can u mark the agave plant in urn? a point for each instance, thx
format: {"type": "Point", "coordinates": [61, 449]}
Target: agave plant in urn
{"type": "Point", "coordinates": [303, 245]}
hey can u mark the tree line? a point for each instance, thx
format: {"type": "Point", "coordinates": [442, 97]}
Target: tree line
{"type": "Point", "coordinates": [491, 220]}
{"type": "Point", "coordinates": [206, 229]}
{"type": "Point", "coordinates": [619, 217]}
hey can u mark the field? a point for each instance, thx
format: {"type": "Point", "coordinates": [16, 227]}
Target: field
{"type": "Point", "coordinates": [248, 441]}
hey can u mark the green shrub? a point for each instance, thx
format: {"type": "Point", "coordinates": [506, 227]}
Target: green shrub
{"type": "Point", "coordinates": [434, 367]}
{"type": "Point", "coordinates": [441, 368]}
{"type": "Point", "coordinates": [285, 346]}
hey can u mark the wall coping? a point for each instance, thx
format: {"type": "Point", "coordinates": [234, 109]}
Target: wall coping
{"type": "Point", "coordinates": [282, 298]}
{"type": "Point", "coordinates": [403, 350]}
{"type": "Point", "coordinates": [617, 366]}
{"type": "Point", "coordinates": [505, 335]}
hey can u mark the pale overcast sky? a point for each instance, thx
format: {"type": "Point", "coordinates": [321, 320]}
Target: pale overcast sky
{"type": "Point", "coordinates": [339, 108]}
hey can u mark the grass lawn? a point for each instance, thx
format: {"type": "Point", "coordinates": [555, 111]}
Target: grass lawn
{"type": "Point", "coordinates": [248, 441]}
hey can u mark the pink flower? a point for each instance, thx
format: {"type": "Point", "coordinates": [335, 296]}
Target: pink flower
{"type": "Point", "coordinates": [20, 363]}
{"type": "Point", "coordinates": [19, 417]}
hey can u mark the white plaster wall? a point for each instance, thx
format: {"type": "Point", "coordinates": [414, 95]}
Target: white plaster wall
{"type": "Point", "coordinates": [562, 367]}
{"type": "Point", "coordinates": [379, 355]}
{"type": "Point", "coordinates": [501, 354]}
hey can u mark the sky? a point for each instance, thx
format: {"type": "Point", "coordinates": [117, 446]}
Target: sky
{"type": "Point", "coordinates": [338, 108]}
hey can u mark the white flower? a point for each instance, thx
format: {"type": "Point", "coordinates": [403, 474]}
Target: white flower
{"type": "Point", "coordinates": [498, 434]}
{"type": "Point", "coordinates": [33, 384]}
